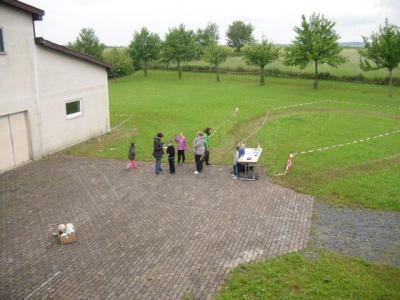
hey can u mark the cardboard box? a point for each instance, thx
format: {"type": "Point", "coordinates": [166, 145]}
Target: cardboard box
{"type": "Point", "coordinates": [67, 239]}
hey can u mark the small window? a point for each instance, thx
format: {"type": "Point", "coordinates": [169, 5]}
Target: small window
{"type": "Point", "coordinates": [73, 109]}
{"type": "Point", "coordinates": [2, 50]}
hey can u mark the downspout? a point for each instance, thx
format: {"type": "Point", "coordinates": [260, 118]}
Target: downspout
{"type": "Point", "coordinates": [37, 150]}
{"type": "Point", "coordinates": [108, 105]}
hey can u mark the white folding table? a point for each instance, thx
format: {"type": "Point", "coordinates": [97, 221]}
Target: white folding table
{"type": "Point", "coordinates": [249, 160]}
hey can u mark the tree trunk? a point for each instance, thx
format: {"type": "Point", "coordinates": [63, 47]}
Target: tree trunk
{"type": "Point", "coordinates": [145, 68]}
{"type": "Point", "coordinates": [179, 70]}
{"type": "Point", "coordinates": [316, 83]}
{"type": "Point", "coordinates": [216, 72]}
{"type": "Point", "coordinates": [390, 83]}
{"type": "Point", "coordinates": [262, 81]}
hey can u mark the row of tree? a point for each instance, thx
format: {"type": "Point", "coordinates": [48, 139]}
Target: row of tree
{"type": "Point", "coordinates": [316, 42]}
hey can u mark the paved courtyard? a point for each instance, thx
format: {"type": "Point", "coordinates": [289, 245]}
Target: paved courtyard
{"type": "Point", "coordinates": [140, 236]}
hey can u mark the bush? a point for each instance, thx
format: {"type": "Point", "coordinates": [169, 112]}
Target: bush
{"type": "Point", "coordinates": [275, 72]}
{"type": "Point", "coordinates": [122, 64]}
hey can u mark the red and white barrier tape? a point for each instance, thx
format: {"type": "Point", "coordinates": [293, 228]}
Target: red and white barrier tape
{"type": "Point", "coordinates": [349, 143]}
{"type": "Point", "coordinates": [122, 123]}
{"type": "Point", "coordinates": [222, 124]}
{"type": "Point", "coordinates": [288, 165]}
{"type": "Point", "coordinates": [363, 104]}
{"type": "Point", "coordinates": [278, 108]}
{"type": "Point", "coordinates": [292, 155]}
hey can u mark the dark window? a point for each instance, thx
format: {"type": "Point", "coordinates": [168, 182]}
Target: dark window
{"type": "Point", "coordinates": [1, 40]}
{"type": "Point", "coordinates": [73, 107]}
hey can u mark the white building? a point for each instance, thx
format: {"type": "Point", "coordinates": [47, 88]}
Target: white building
{"type": "Point", "coordinates": [50, 96]}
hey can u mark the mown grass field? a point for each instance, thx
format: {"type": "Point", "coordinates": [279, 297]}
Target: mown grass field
{"type": "Point", "coordinates": [363, 174]}
{"type": "Point", "coordinates": [349, 68]}
{"type": "Point", "coordinates": [300, 276]}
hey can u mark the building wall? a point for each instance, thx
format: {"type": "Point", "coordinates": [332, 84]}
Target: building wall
{"type": "Point", "coordinates": [64, 78]}
{"type": "Point", "coordinates": [17, 82]}
{"type": "Point", "coordinates": [40, 81]}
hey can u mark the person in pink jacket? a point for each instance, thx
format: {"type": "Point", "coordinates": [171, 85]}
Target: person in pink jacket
{"type": "Point", "coordinates": [182, 147]}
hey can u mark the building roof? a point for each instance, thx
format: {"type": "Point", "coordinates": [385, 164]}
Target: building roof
{"type": "Point", "coordinates": [37, 13]}
{"type": "Point", "coordinates": [53, 46]}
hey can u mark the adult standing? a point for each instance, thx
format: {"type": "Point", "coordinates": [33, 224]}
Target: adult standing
{"type": "Point", "coordinates": [158, 151]}
{"type": "Point", "coordinates": [199, 148]}
{"type": "Point", "coordinates": [207, 144]}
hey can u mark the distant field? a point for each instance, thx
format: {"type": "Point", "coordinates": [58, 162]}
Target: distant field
{"type": "Point", "coordinates": [350, 68]}
{"type": "Point", "coordinates": [364, 174]}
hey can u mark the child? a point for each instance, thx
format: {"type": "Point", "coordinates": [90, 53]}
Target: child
{"type": "Point", "coordinates": [182, 147]}
{"type": "Point", "coordinates": [132, 157]}
{"type": "Point", "coordinates": [171, 157]}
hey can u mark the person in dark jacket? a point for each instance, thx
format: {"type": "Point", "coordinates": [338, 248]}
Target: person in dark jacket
{"type": "Point", "coordinates": [171, 157]}
{"type": "Point", "coordinates": [132, 157]}
{"type": "Point", "coordinates": [158, 151]}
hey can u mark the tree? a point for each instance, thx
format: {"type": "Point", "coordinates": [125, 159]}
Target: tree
{"type": "Point", "coordinates": [239, 34]}
{"type": "Point", "coordinates": [383, 49]}
{"type": "Point", "coordinates": [144, 47]}
{"type": "Point", "coordinates": [207, 37]}
{"type": "Point", "coordinates": [260, 55]}
{"type": "Point", "coordinates": [87, 42]}
{"type": "Point", "coordinates": [120, 60]}
{"type": "Point", "coordinates": [316, 42]}
{"type": "Point", "coordinates": [179, 46]}
{"type": "Point", "coordinates": [216, 55]}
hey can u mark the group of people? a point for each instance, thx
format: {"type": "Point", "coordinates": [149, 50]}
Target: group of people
{"type": "Point", "coordinates": [201, 147]}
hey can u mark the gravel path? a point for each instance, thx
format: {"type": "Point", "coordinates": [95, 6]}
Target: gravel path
{"type": "Point", "coordinates": [370, 234]}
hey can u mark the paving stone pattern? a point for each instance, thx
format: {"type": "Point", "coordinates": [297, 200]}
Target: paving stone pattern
{"type": "Point", "coordinates": [140, 236]}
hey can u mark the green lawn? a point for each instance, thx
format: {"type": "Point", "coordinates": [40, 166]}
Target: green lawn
{"type": "Point", "coordinates": [299, 276]}
{"type": "Point", "coordinates": [365, 174]}
{"type": "Point", "coordinates": [349, 68]}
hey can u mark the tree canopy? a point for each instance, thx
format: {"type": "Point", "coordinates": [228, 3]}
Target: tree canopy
{"type": "Point", "coordinates": [382, 48]}
{"type": "Point", "coordinates": [260, 54]}
{"type": "Point", "coordinates": [120, 60]}
{"type": "Point", "coordinates": [216, 55]}
{"type": "Point", "coordinates": [239, 34]}
{"type": "Point", "coordinates": [88, 43]}
{"type": "Point", "coordinates": [316, 41]}
{"type": "Point", "coordinates": [207, 36]}
{"type": "Point", "coordinates": [179, 46]}
{"type": "Point", "coordinates": [144, 47]}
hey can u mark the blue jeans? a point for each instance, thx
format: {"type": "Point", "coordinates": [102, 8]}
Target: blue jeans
{"type": "Point", "coordinates": [235, 170]}
{"type": "Point", "coordinates": [158, 166]}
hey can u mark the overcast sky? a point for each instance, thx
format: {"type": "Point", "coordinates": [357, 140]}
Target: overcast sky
{"type": "Point", "coordinates": [115, 21]}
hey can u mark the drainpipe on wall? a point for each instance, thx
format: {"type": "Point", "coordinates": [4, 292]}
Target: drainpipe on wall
{"type": "Point", "coordinates": [36, 140]}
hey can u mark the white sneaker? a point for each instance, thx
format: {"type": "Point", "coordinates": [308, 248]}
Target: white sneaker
{"type": "Point", "coordinates": [197, 173]}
